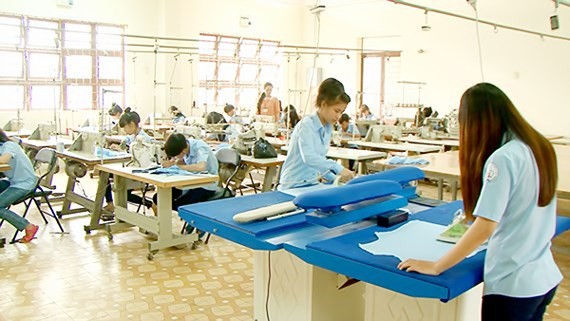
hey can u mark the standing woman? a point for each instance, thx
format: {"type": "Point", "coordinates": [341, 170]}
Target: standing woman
{"type": "Point", "coordinates": [20, 181]}
{"type": "Point", "coordinates": [508, 182]}
{"type": "Point", "coordinates": [307, 162]}
{"type": "Point", "coordinates": [268, 105]}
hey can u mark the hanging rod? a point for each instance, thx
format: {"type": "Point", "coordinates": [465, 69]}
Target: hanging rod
{"type": "Point", "coordinates": [498, 25]}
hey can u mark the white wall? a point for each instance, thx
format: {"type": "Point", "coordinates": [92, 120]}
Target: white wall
{"type": "Point", "coordinates": [535, 73]}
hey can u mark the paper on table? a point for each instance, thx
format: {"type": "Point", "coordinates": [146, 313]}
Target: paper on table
{"type": "Point", "coordinates": [413, 240]}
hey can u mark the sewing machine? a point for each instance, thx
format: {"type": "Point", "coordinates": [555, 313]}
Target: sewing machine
{"type": "Point", "coordinates": [43, 132]}
{"type": "Point", "coordinates": [13, 125]}
{"type": "Point", "coordinates": [193, 131]}
{"type": "Point", "coordinates": [265, 124]}
{"type": "Point", "coordinates": [245, 141]}
{"type": "Point", "coordinates": [325, 239]}
{"type": "Point", "coordinates": [146, 154]}
{"type": "Point", "coordinates": [451, 123]}
{"type": "Point", "coordinates": [379, 133]}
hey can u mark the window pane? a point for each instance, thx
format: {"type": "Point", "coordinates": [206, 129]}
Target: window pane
{"type": "Point", "coordinates": [10, 31]}
{"type": "Point", "coordinates": [78, 67]}
{"type": "Point", "coordinates": [110, 68]}
{"type": "Point", "coordinates": [11, 97]}
{"type": "Point", "coordinates": [207, 44]}
{"type": "Point", "coordinates": [45, 97]}
{"type": "Point", "coordinates": [206, 70]}
{"type": "Point", "coordinates": [45, 36]}
{"type": "Point", "coordinates": [77, 36]}
{"type": "Point", "coordinates": [227, 47]}
{"type": "Point", "coordinates": [44, 65]}
{"type": "Point", "coordinates": [227, 96]}
{"type": "Point", "coordinates": [227, 72]}
{"type": "Point", "coordinates": [206, 97]}
{"type": "Point", "coordinates": [371, 72]}
{"type": "Point", "coordinates": [268, 74]}
{"type": "Point", "coordinates": [248, 97]}
{"type": "Point", "coordinates": [268, 50]}
{"type": "Point", "coordinates": [79, 97]}
{"type": "Point", "coordinates": [248, 48]}
{"type": "Point", "coordinates": [248, 73]}
{"type": "Point", "coordinates": [111, 94]}
{"type": "Point", "coordinates": [10, 64]}
{"type": "Point", "coordinates": [109, 38]}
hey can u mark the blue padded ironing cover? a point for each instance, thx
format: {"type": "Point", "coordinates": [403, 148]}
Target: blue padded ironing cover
{"type": "Point", "coordinates": [457, 280]}
{"type": "Point", "coordinates": [222, 211]}
{"type": "Point", "coordinates": [347, 194]}
{"type": "Point", "coordinates": [402, 175]}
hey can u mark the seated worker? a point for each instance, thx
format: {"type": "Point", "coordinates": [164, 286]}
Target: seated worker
{"type": "Point", "coordinates": [177, 116]}
{"type": "Point", "coordinates": [129, 122]}
{"type": "Point", "coordinates": [115, 112]}
{"type": "Point", "coordinates": [230, 110]}
{"type": "Point", "coordinates": [306, 162]}
{"type": "Point", "coordinates": [216, 118]}
{"type": "Point", "coordinates": [14, 187]}
{"type": "Point", "coordinates": [293, 118]}
{"type": "Point", "coordinates": [365, 113]}
{"type": "Point", "coordinates": [349, 131]}
{"type": "Point", "coordinates": [192, 155]}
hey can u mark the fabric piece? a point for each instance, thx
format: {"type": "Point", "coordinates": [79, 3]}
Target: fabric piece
{"type": "Point", "coordinates": [413, 240]}
{"type": "Point", "coordinates": [107, 153]}
{"type": "Point", "coordinates": [399, 160]}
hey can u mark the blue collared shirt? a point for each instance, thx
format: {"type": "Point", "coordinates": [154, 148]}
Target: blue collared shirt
{"type": "Point", "coordinates": [199, 152]}
{"type": "Point", "coordinates": [21, 165]}
{"type": "Point", "coordinates": [519, 262]}
{"type": "Point", "coordinates": [142, 135]}
{"type": "Point", "coordinates": [306, 160]}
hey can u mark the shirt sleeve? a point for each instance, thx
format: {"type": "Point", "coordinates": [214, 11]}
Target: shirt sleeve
{"type": "Point", "coordinates": [128, 140]}
{"type": "Point", "coordinates": [276, 111]}
{"type": "Point", "coordinates": [307, 141]}
{"type": "Point", "coordinates": [11, 148]}
{"type": "Point", "coordinates": [202, 152]}
{"type": "Point", "coordinates": [496, 190]}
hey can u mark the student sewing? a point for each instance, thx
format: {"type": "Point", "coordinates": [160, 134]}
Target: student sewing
{"type": "Point", "coordinates": [267, 105]}
{"type": "Point", "coordinates": [129, 122]}
{"type": "Point", "coordinates": [20, 181]}
{"type": "Point", "coordinates": [347, 129]}
{"type": "Point", "coordinates": [232, 118]}
{"type": "Point", "coordinates": [306, 162]}
{"type": "Point", "coordinates": [191, 155]}
{"type": "Point", "coordinates": [365, 113]}
{"type": "Point", "coordinates": [177, 116]}
{"type": "Point", "coordinates": [115, 112]}
{"type": "Point", "coordinates": [508, 182]}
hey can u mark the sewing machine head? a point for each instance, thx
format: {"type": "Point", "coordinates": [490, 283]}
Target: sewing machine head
{"type": "Point", "coordinates": [263, 119]}
{"type": "Point", "coordinates": [379, 133]}
{"type": "Point", "coordinates": [245, 141]}
{"type": "Point", "coordinates": [14, 125]}
{"type": "Point", "coordinates": [271, 128]}
{"type": "Point", "coordinates": [146, 154]}
{"type": "Point", "coordinates": [336, 138]}
{"type": "Point", "coordinates": [451, 123]}
{"type": "Point", "coordinates": [43, 131]}
{"type": "Point", "coordinates": [87, 142]}
{"type": "Point", "coordinates": [189, 131]}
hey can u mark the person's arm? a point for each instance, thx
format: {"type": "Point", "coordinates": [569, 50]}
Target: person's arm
{"type": "Point", "coordinates": [307, 142]}
{"type": "Point", "coordinates": [476, 235]}
{"type": "Point", "coordinates": [199, 167]}
{"type": "Point", "coordinates": [276, 111]}
{"type": "Point", "coordinates": [5, 158]}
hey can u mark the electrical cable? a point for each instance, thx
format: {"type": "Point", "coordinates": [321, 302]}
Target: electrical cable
{"type": "Point", "coordinates": [479, 41]}
{"type": "Point", "coordinates": [268, 285]}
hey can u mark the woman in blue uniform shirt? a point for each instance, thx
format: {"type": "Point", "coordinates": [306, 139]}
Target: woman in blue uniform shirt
{"type": "Point", "coordinates": [129, 122]}
{"type": "Point", "coordinates": [508, 182]}
{"type": "Point", "coordinates": [306, 162]}
{"type": "Point", "coordinates": [192, 155]}
{"type": "Point", "coordinates": [20, 180]}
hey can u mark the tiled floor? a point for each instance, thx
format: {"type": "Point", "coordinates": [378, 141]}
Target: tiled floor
{"type": "Point", "coordinates": [88, 277]}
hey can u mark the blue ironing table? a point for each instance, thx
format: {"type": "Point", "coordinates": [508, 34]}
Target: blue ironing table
{"type": "Point", "coordinates": [336, 249]}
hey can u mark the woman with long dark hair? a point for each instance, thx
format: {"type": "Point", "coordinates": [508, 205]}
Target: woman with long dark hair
{"type": "Point", "coordinates": [508, 181]}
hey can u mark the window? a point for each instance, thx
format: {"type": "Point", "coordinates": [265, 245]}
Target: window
{"type": "Point", "coordinates": [380, 82]}
{"type": "Point", "coordinates": [51, 63]}
{"type": "Point", "coordinates": [232, 70]}
{"type": "Point", "coordinates": [11, 97]}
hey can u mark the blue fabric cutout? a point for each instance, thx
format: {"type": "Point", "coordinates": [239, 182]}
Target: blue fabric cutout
{"type": "Point", "coordinates": [107, 153]}
{"type": "Point", "coordinates": [398, 160]}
